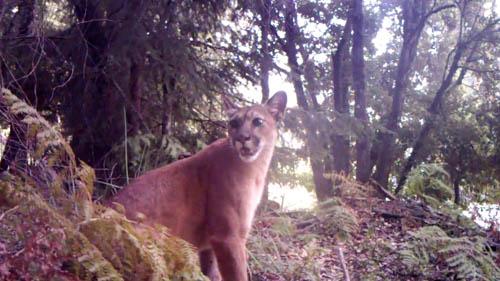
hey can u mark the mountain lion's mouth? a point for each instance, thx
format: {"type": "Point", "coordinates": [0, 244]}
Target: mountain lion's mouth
{"type": "Point", "coordinates": [245, 151]}
{"type": "Point", "coordinates": [248, 155]}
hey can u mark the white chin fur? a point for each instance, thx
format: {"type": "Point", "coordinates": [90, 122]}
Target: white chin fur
{"type": "Point", "coordinates": [251, 158]}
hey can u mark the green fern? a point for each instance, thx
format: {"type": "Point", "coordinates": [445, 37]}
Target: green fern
{"type": "Point", "coordinates": [266, 254]}
{"type": "Point", "coordinates": [429, 182]}
{"type": "Point", "coordinates": [464, 257]}
{"type": "Point", "coordinates": [145, 152]}
{"type": "Point", "coordinates": [33, 215]}
{"type": "Point", "coordinates": [48, 142]}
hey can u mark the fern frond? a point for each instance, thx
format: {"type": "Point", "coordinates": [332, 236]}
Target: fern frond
{"type": "Point", "coordinates": [429, 182]}
{"type": "Point", "coordinates": [88, 261]}
{"type": "Point", "coordinates": [466, 257]}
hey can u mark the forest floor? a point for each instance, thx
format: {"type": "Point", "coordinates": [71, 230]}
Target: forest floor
{"type": "Point", "coordinates": [303, 246]}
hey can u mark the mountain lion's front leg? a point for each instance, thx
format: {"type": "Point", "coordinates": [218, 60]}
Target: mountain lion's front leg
{"type": "Point", "coordinates": [231, 257]}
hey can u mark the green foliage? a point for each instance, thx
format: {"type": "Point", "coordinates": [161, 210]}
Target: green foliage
{"type": "Point", "coordinates": [465, 258]}
{"type": "Point", "coordinates": [284, 226]}
{"type": "Point", "coordinates": [51, 229]}
{"type": "Point", "coordinates": [140, 252]}
{"type": "Point", "coordinates": [468, 143]}
{"type": "Point", "coordinates": [61, 181]}
{"type": "Point", "coordinates": [145, 152]}
{"type": "Point", "coordinates": [165, 63]}
{"type": "Point", "coordinates": [287, 247]}
{"type": "Point", "coordinates": [429, 182]}
{"type": "Point", "coordinates": [337, 219]}
{"type": "Point", "coordinates": [273, 252]}
{"type": "Point", "coordinates": [45, 241]}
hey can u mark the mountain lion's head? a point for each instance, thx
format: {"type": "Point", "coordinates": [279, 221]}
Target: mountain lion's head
{"type": "Point", "coordinates": [253, 128]}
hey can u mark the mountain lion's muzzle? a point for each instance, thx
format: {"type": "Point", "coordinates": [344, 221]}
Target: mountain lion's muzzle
{"type": "Point", "coordinates": [247, 146]}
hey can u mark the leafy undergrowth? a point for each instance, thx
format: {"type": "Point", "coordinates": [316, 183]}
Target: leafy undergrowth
{"type": "Point", "coordinates": [51, 230]}
{"type": "Point", "coordinates": [380, 240]}
{"type": "Point", "coordinates": [298, 246]}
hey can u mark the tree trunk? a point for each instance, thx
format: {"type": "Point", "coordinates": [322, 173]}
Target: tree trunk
{"type": "Point", "coordinates": [134, 103]}
{"type": "Point", "coordinates": [340, 142]}
{"type": "Point", "coordinates": [291, 52]}
{"type": "Point", "coordinates": [264, 7]}
{"type": "Point", "coordinates": [414, 13]}
{"type": "Point", "coordinates": [320, 164]}
{"type": "Point", "coordinates": [95, 122]}
{"type": "Point", "coordinates": [323, 186]}
{"type": "Point", "coordinates": [434, 109]}
{"type": "Point", "coordinates": [88, 119]}
{"type": "Point", "coordinates": [168, 91]}
{"type": "Point", "coordinates": [456, 188]}
{"type": "Point", "coordinates": [358, 76]}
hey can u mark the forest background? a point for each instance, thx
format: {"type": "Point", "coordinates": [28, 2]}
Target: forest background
{"type": "Point", "coordinates": [148, 76]}
{"type": "Point", "coordinates": [402, 96]}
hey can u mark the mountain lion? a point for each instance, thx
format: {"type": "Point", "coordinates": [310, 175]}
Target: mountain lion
{"type": "Point", "coordinates": [209, 199]}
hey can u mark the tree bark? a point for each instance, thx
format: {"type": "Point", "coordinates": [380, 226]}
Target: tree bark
{"type": "Point", "coordinates": [323, 186]}
{"type": "Point", "coordinates": [168, 91]}
{"type": "Point", "coordinates": [414, 15]}
{"type": "Point", "coordinates": [358, 76]}
{"type": "Point", "coordinates": [456, 188]}
{"type": "Point", "coordinates": [134, 103]}
{"type": "Point", "coordinates": [291, 52]}
{"type": "Point", "coordinates": [319, 163]}
{"type": "Point", "coordinates": [434, 109]}
{"type": "Point", "coordinates": [94, 119]}
{"type": "Point", "coordinates": [340, 142]}
{"type": "Point", "coordinates": [264, 7]}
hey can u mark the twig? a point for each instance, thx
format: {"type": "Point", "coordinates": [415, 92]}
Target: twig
{"type": "Point", "coordinates": [125, 143]}
{"type": "Point", "coordinates": [306, 223]}
{"type": "Point", "coordinates": [382, 190]}
{"type": "Point", "coordinates": [342, 262]}
{"type": "Point", "coordinates": [388, 214]}
{"type": "Point", "coordinates": [109, 184]}
{"type": "Point", "coordinates": [8, 211]}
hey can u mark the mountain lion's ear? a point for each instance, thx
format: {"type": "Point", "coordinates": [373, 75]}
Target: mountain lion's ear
{"type": "Point", "coordinates": [277, 104]}
{"type": "Point", "coordinates": [229, 107]}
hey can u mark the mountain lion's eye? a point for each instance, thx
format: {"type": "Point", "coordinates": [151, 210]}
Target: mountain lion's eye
{"type": "Point", "coordinates": [257, 122]}
{"type": "Point", "coordinates": [235, 123]}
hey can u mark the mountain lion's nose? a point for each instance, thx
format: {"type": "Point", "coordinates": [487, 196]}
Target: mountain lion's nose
{"type": "Point", "coordinates": [243, 138]}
